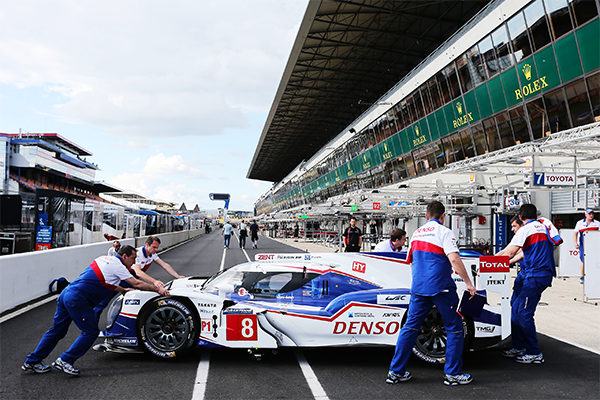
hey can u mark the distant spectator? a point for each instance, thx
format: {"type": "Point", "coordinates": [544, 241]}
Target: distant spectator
{"type": "Point", "coordinates": [114, 249]}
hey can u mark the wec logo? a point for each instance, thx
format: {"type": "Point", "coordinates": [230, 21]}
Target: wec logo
{"type": "Point", "coordinates": [359, 267]}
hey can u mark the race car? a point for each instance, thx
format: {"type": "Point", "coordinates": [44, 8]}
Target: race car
{"type": "Point", "coordinates": [301, 300]}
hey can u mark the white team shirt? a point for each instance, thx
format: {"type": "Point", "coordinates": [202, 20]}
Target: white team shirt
{"type": "Point", "coordinates": [385, 246]}
{"type": "Point", "coordinates": [582, 225]}
{"type": "Point", "coordinates": [143, 259]}
{"type": "Point", "coordinates": [112, 269]}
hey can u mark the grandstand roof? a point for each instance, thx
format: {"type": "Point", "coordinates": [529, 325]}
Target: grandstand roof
{"type": "Point", "coordinates": [346, 56]}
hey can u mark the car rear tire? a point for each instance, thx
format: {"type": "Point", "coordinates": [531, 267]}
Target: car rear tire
{"type": "Point", "coordinates": [430, 345]}
{"type": "Point", "coordinates": [168, 328]}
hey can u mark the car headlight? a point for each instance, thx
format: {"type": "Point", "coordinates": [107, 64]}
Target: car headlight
{"type": "Point", "coordinates": [114, 310]}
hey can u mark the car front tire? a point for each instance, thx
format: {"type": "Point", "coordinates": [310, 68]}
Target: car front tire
{"type": "Point", "coordinates": [168, 328]}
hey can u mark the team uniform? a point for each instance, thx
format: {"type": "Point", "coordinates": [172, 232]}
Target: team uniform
{"type": "Point", "coordinates": [535, 276]}
{"type": "Point", "coordinates": [76, 303]}
{"type": "Point", "coordinates": [386, 247]}
{"type": "Point", "coordinates": [432, 284]}
{"type": "Point", "coordinates": [352, 239]}
{"type": "Point", "coordinates": [581, 227]}
{"type": "Point", "coordinates": [144, 259]}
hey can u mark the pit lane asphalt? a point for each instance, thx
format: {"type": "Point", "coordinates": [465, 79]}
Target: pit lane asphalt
{"type": "Point", "coordinates": [342, 373]}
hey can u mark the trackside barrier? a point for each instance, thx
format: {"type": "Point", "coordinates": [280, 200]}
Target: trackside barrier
{"type": "Point", "coordinates": [25, 277]}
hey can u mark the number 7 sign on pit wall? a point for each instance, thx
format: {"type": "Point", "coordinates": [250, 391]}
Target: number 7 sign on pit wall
{"type": "Point", "coordinates": [241, 327]}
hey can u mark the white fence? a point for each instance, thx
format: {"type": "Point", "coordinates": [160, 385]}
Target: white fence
{"type": "Point", "coordinates": [26, 276]}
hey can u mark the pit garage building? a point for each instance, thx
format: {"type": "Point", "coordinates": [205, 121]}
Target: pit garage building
{"type": "Point", "coordinates": [484, 105]}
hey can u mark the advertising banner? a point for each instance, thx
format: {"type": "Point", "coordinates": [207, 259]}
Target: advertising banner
{"type": "Point", "coordinates": [568, 255]}
{"type": "Point", "coordinates": [591, 262]}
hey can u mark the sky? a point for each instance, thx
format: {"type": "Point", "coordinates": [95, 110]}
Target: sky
{"type": "Point", "coordinates": [170, 96]}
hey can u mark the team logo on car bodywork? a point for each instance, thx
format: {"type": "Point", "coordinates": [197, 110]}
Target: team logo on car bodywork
{"type": "Point", "coordinates": [359, 267]}
{"type": "Point", "coordinates": [132, 302]}
{"type": "Point", "coordinates": [393, 299]}
{"type": "Point", "coordinates": [360, 315]}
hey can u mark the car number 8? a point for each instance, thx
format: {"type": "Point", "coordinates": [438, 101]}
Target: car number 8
{"type": "Point", "coordinates": [241, 327]}
{"type": "Point", "coordinates": [247, 325]}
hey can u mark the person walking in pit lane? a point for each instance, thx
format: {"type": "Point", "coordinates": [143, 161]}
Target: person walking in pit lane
{"type": "Point", "coordinates": [394, 243]}
{"type": "Point", "coordinates": [76, 304]}
{"type": "Point", "coordinates": [353, 237]}
{"type": "Point", "coordinates": [433, 255]}
{"type": "Point", "coordinates": [254, 234]}
{"type": "Point", "coordinates": [586, 224]}
{"type": "Point", "coordinates": [243, 234]}
{"type": "Point", "coordinates": [226, 232]}
{"type": "Point", "coordinates": [537, 271]}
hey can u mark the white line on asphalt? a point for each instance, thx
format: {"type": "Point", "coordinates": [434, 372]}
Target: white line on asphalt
{"type": "Point", "coordinates": [223, 260]}
{"type": "Point", "coordinates": [201, 375]}
{"type": "Point", "coordinates": [572, 343]}
{"type": "Point", "coordinates": [29, 307]}
{"type": "Point", "coordinates": [311, 378]}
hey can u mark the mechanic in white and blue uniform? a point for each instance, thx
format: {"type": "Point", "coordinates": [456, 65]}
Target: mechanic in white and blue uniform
{"type": "Point", "coordinates": [146, 255]}
{"type": "Point", "coordinates": [535, 276]}
{"type": "Point", "coordinates": [76, 304]}
{"type": "Point", "coordinates": [394, 243]}
{"type": "Point", "coordinates": [586, 224]}
{"type": "Point", "coordinates": [433, 254]}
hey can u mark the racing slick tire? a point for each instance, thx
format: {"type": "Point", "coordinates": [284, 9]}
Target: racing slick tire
{"type": "Point", "coordinates": [430, 345]}
{"type": "Point", "coordinates": [168, 328]}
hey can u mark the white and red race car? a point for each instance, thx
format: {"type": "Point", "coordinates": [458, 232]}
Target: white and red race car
{"type": "Point", "coordinates": [301, 300]}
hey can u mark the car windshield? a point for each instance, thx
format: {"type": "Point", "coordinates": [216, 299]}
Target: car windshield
{"type": "Point", "coordinates": [231, 276]}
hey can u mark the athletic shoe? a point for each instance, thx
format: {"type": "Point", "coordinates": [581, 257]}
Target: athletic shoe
{"type": "Point", "coordinates": [529, 359]}
{"type": "Point", "coordinates": [581, 280]}
{"type": "Point", "coordinates": [513, 353]}
{"type": "Point", "coordinates": [65, 367]}
{"type": "Point", "coordinates": [393, 378]}
{"type": "Point", "coordinates": [462, 379]}
{"type": "Point", "coordinates": [38, 368]}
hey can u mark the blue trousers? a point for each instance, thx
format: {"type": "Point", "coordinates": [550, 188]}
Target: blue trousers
{"type": "Point", "coordinates": [525, 298]}
{"type": "Point", "coordinates": [447, 304]}
{"type": "Point", "coordinates": [227, 239]}
{"type": "Point", "coordinates": [70, 308]}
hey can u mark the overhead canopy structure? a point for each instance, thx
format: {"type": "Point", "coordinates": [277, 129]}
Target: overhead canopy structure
{"type": "Point", "coordinates": [346, 56]}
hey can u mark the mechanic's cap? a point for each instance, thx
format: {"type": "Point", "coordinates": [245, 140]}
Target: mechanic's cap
{"type": "Point", "coordinates": [589, 210]}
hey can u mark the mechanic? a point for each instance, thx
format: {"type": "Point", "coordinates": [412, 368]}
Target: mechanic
{"type": "Point", "coordinates": [586, 224]}
{"type": "Point", "coordinates": [114, 249]}
{"type": "Point", "coordinates": [254, 234]}
{"type": "Point", "coordinates": [537, 271]}
{"type": "Point", "coordinates": [76, 303]}
{"type": "Point", "coordinates": [353, 237]}
{"type": "Point", "coordinates": [296, 232]}
{"type": "Point", "coordinates": [243, 234]}
{"type": "Point", "coordinates": [146, 255]}
{"type": "Point", "coordinates": [226, 232]}
{"type": "Point", "coordinates": [433, 255]}
{"type": "Point", "coordinates": [394, 244]}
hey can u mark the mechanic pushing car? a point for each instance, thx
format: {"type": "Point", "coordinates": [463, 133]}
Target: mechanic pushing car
{"type": "Point", "coordinates": [433, 254]}
{"type": "Point", "coordinates": [148, 254]}
{"type": "Point", "coordinates": [535, 276]}
{"type": "Point", "coordinates": [76, 303]}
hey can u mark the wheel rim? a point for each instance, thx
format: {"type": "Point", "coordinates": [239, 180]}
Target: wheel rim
{"type": "Point", "coordinates": [167, 328]}
{"type": "Point", "coordinates": [432, 335]}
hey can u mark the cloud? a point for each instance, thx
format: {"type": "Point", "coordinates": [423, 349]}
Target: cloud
{"type": "Point", "coordinates": [159, 164]}
{"type": "Point", "coordinates": [151, 69]}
